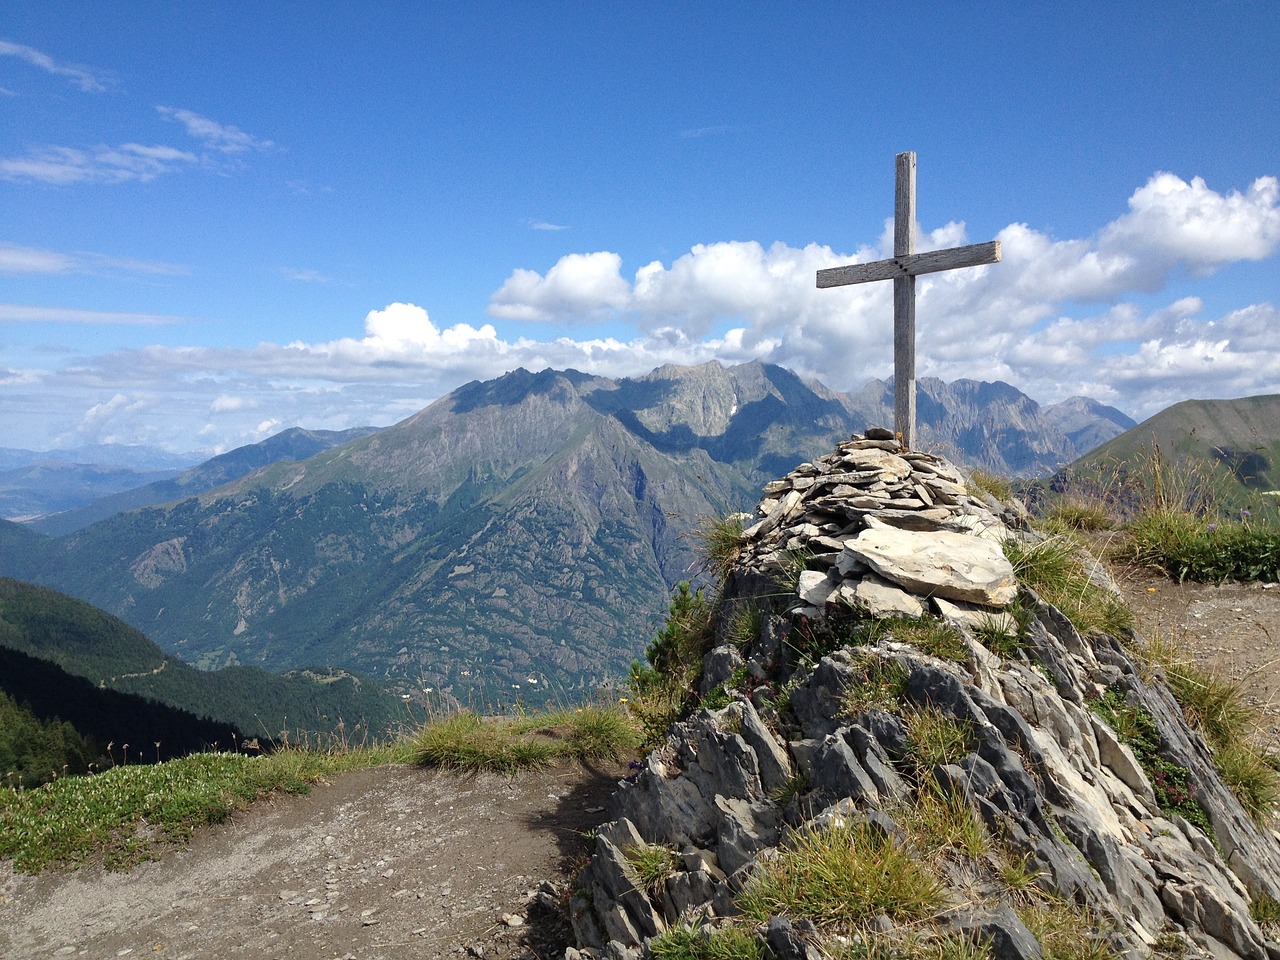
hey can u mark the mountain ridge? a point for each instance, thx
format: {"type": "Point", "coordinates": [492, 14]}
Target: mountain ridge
{"type": "Point", "coordinates": [515, 533]}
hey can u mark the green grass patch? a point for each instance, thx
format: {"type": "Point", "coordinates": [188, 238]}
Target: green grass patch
{"type": "Point", "coordinates": [933, 737]}
{"type": "Point", "coordinates": [844, 875]}
{"type": "Point", "coordinates": [124, 815]}
{"type": "Point", "coordinates": [997, 487]}
{"type": "Point", "coordinates": [1066, 931]}
{"type": "Point", "coordinates": [684, 942]}
{"type": "Point", "coordinates": [882, 685]}
{"type": "Point", "coordinates": [508, 744]}
{"type": "Point", "coordinates": [927, 634]}
{"type": "Point", "coordinates": [1077, 516]}
{"type": "Point", "coordinates": [1186, 546]}
{"type": "Point", "coordinates": [1058, 570]}
{"type": "Point", "coordinates": [1265, 912]}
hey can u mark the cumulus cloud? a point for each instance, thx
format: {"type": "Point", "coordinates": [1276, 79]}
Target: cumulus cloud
{"type": "Point", "coordinates": [1056, 317]}
{"type": "Point", "coordinates": [84, 78]}
{"type": "Point", "coordinates": [581, 286]}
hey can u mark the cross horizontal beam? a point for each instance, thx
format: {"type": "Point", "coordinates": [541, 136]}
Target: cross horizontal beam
{"type": "Point", "coordinates": [911, 265]}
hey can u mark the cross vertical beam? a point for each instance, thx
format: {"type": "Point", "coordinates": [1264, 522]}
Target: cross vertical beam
{"type": "Point", "coordinates": [904, 301]}
{"type": "Point", "coordinates": [903, 269]}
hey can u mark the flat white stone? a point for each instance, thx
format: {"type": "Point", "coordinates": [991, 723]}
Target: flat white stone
{"type": "Point", "coordinates": [973, 616]}
{"type": "Point", "coordinates": [937, 563]}
{"type": "Point", "coordinates": [879, 597]}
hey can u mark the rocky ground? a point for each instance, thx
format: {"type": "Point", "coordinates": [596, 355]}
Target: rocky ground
{"type": "Point", "coordinates": [397, 862]}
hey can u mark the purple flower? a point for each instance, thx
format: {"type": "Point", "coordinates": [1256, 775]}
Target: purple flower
{"type": "Point", "coordinates": [1212, 527]}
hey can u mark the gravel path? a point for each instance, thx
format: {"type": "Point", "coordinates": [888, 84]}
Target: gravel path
{"type": "Point", "coordinates": [389, 862]}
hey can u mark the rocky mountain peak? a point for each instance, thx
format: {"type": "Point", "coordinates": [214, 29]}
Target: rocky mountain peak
{"type": "Point", "coordinates": [1084, 814]}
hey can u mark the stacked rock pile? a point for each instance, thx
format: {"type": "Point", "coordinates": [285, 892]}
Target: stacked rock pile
{"type": "Point", "coordinates": [897, 532]}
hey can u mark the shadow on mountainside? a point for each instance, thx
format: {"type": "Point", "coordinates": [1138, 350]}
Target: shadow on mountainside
{"type": "Point", "coordinates": [389, 862]}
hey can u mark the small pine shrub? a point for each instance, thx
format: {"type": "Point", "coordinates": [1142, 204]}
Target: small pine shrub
{"type": "Point", "coordinates": [664, 687]}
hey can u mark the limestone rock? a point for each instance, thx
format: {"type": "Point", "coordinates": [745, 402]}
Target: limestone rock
{"type": "Point", "coordinates": [942, 564]}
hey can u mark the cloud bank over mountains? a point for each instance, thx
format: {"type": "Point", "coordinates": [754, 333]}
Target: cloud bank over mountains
{"type": "Point", "coordinates": [1056, 317]}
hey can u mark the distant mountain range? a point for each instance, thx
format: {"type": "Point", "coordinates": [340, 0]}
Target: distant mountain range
{"type": "Point", "coordinates": [1236, 440]}
{"type": "Point", "coordinates": [518, 537]}
{"type": "Point", "coordinates": [292, 444]}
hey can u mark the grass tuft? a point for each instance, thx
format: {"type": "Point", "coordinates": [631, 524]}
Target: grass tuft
{"type": "Point", "coordinates": [1058, 570]}
{"type": "Point", "coordinates": [720, 542]}
{"type": "Point", "coordinates": [470, 743]}
{"type": "Point", "coordinates": [997, 487]}
{"type": "Point", "coordinates": [684, 942]}
{"type": "Point", "coordinates": [845, 874]}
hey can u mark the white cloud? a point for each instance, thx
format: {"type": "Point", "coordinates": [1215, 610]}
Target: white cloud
{"type": "Point", "coordinates": [544, 225]}
{"type": "Point", "coordinates": [82, 77]}
{"type": "Point", "coordinates": [103, 422]}
{"type": "Point", "coordinates": [1021, 320]}
{"type": "Point", "coordinates": [225, 403]}
{"type": "Point", "coordinates": [17, 313]}
{"type": "Point", "coordinates": [580, 286]}
{"type": "Point", "coordinates": [26, 260]}
{"type": "Point", "coordinates": [1173, 222]}
{"type": "Point", "coordinates": [224, 138]}
{"type": "Point", "coordinates": [305, 275]}
{"type": "Point", "coordinates": [62, 166]}
{"type": "Point", "coordinates": [16, 259]}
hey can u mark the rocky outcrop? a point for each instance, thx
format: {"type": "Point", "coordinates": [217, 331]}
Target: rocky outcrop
{"type": "Point", "coordinates": [847, 718]}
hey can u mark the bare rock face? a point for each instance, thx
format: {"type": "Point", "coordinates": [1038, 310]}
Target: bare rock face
{"type": "Point", "coordinates": [1133, 834]}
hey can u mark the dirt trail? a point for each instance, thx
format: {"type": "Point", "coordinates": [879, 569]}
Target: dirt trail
{"type": "Point", "coordinates": [391, 862]}
{"type": "Point", "coordinates": [1233, 627]}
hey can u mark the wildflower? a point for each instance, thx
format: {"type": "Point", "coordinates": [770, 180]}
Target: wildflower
{"type": "Point", "coordinates": [1151, 589]}
{"type": "Point", "coordinates": [1212, 527]}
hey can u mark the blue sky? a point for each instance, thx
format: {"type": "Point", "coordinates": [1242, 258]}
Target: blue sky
{"type": "Point", "coordinates": [221, 220]}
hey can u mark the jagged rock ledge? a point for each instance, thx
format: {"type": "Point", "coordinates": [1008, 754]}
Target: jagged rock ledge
{"type": "Point", "coordinates": [872, 531]}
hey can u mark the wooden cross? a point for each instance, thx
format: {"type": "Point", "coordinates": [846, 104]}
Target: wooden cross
{"type": "Point", "coordinates": [905, 266]}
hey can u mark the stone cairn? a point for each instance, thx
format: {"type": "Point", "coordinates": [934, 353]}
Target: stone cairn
{"type": "Point", "coordinates": [872, 531]}
{"type": "Point", "coordinates": [898, 532]}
